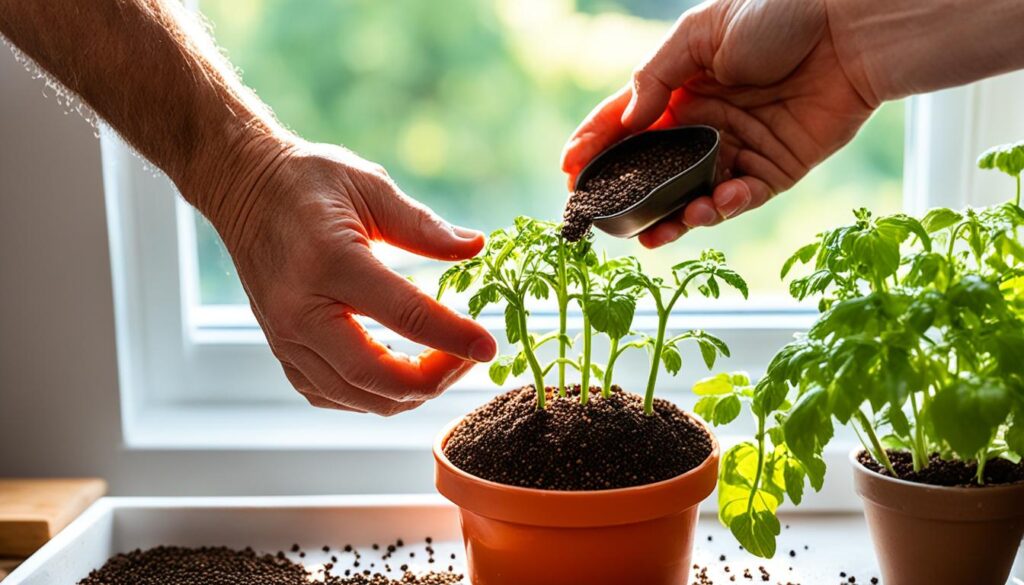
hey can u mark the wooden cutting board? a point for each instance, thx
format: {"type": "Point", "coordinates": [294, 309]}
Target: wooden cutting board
{"type": "Point", "coordinates": [32, 511]}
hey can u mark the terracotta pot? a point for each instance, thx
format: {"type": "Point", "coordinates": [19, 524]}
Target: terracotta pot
{"type": "Point", "coordinates": [929, 535]}
{"type": "Point", "coordinates": [522, 536]}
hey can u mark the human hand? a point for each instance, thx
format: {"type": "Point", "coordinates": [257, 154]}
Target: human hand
{"type": "Point", "coordinates": [765, 73]}
{"type": "Point", "coordinates": [298, 222]}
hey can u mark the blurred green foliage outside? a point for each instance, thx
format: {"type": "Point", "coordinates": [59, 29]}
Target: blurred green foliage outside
{"type": "Point", "coordinates": [467, 103]}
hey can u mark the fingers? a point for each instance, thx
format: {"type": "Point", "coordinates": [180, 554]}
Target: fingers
{"type": "Point", "coordinates": [374, 290]}
{"type": "Point", "coordinates": [729, 199]}
{"type": "Point", "coordinates": [410, 225]}
{"type": "Point", "coordinates": [368, 365]}
{"type": "Point", "coordinates": [309, 391]}
{"type": "Point", "coordinates": [329, 385]}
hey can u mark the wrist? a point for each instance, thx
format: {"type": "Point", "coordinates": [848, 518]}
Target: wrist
{"type": "Point", "coordinates": [227, 177]}
{"type": "Point", "coordinates": [848, 31]}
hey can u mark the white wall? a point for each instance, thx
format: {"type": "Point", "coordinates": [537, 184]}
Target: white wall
{"type": "Point", "coordinates": [58, 369]}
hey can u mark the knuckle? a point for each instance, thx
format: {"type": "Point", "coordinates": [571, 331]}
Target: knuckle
{"type": "Point", "coordinates": [414, 317]}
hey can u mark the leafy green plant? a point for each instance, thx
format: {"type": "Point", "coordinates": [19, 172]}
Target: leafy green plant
{"type": "Point", "coordinates": [530, 261]}
{"type": "Point", "coordinates": [918, 347]}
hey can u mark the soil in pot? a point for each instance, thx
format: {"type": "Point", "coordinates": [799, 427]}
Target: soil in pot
{"type": "Point", "coordinates": [607, 444]}
{"type": "Point", "coordinates": [947, 473]}
{"type": "Point", "coordinates": [625, 177]}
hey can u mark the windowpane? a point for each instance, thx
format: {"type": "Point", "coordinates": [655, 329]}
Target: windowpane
{"type": "Point", "coordinates": [467, 103]}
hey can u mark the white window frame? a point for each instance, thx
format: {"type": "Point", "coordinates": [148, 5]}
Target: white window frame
{"type": "Point", "coordinates": [188, 385]}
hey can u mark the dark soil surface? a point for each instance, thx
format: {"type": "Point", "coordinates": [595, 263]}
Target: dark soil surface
{"type": "Point", "coordinates": [170, 565]}
{"type": "Point", "coordinates": [947, 473]}
{"type": "Point", "coordinates": [625, 177]}
{"type": "Point", "coordinates": [607, 444]}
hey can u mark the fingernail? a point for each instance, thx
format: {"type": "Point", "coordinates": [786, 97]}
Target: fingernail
{"type": "Point", "coordinates": [704, 215]}
{"type": "Point", "coordinates": [483, 349]}
{"type": "Point", "coordinates": [465, 233]}
{"type": "Point", "coordinates": [731, 202]}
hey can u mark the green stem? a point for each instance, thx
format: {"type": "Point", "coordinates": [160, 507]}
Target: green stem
{"type": "Point", "coordinates": [1017, 200]}
{"type": "Point", "coordinates": [756, 485]}
{"type": "Point", "coordinates": [876, 446]}
{"type": "Point", "coordinates": [563, 310]}
{"type": "Point", "coordinates": [652, 378]}
{"type": "Point", "coordinates": [920, 450]}
{"type": "Point", "coordinates": [613, 354]}
{"type": "Point", "coordinates": [585, 366]}
{"type": "Point", "coordinates": [982, 460]}
{"type": "Point", "coordinates": [531, 359]}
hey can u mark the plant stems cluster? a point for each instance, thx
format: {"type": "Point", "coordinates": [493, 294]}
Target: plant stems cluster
{"type": "Point", "coordinates": [530, 262]}
{"type": "Point", "coordinates": [918, 347]}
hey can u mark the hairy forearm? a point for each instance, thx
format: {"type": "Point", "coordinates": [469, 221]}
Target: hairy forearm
{"type": "Point", "coordinates": [895, 48]}
{"type": "Point", "coordinates": [150, 70]}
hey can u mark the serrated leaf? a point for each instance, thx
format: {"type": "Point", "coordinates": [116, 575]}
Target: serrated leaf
{"type": "Point", "coordinates": [512, 331]}
{"type": "Point", "coordinates": [671, 359]}
{"type": "Point", "coordinates": [803, 256]}
{"type": "Point", "coordinates": [611, 314]}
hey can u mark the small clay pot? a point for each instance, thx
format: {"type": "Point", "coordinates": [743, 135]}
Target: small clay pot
{"type": "Point", "coordinates": [522, 536]}
{"type": "Point", "coordinates": [930, 535]}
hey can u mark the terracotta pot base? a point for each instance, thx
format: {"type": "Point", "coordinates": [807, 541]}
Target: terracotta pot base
{"type": "Point", "coordinates": [929, 535]}
{"type": "Point", "coordinates": [520, 536]}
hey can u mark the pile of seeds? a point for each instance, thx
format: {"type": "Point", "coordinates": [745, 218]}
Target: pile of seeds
{"type": "Point", "coordinates": [626, 176]}
{"type": "Point", "coordinates": [170, 565]}
{"type": "Point", "coordinates": [947, 473]}
{"type": "Point", "coordinates": [609, 443]}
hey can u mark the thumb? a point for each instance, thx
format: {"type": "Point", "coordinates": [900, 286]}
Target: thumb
{"type": "Point", "coordinates": [671, 66]}
{"type": "Point", "coordinates": [412, 226]}
{"type": "Point", "coordinates": [649, 98]}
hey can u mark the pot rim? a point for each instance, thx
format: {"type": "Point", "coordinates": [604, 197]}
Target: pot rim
{"type": "Point", "coordinates": [913, 484]}
{"type": "Point", "coordinates": [958, 504]}
{"type": "Point", "coordinates": [574, 508]}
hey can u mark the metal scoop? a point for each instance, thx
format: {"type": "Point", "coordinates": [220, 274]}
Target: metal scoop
{"type": "Point", "coordinates": [667, 198]}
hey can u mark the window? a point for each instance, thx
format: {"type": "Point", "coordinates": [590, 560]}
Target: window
{"type": "Point", "coordinates": [468, 108]}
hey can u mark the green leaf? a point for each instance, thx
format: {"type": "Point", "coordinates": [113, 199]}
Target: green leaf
{"type": "Point", "coordinates": [733, 279]}
{"type": "Point", "coordinates": [611, 314]}
{"type": "Point", "coordinates": [671, 358]}
{"type": "Point", "coordinates": [939, 219]}
{"type": "Point", "coordinates": [519, 364]}
{"type": "Point", "coordinates": [1008, 158]}
{"type": "Point", "coordinates": [757, 532]}
{"type": "Point", "coordinates": [714, 385]}
{"type": "Point", "coordinates": [809, 425]}
{"type": "Point", "coordinates": [967, 413]}
{"type": "Point", "coordinates": [727, 409]}
{"type": "Point", "coordinates": [769, 394]}
{"type": "Point", "coordinates": [512, 324]}
{"type": "Point", "coordinates": [794, 477]}
{"type": "Point", "coordinates": [538, 288]}
{"type": "Point", "coordinates": [803, 256]}
{"type": "Point", "coordinates": [500, 369]}
{"type": "Point", "coordinates": [486, 295]}
{"type": "Point", "coordinates": [1015, 436]}
{"type": "Point", "coordinates": [705, 408]}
